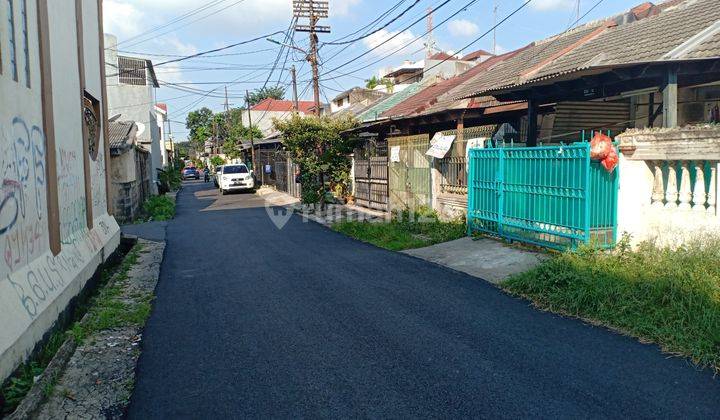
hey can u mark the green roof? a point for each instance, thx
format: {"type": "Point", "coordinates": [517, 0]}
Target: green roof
{"type": "Point", "coordinates": [374, 112]}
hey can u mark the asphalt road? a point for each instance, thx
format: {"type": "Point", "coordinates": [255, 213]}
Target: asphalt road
{"type": "Point", "coordinates": [252, 321]}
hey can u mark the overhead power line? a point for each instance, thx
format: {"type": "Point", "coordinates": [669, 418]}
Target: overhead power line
{"type": "Point", "coordinates": [187, 57]}
{"type": "Point", "coordinates": [182, 26]}
{"type": "Point", "coordinates": [388, 23]}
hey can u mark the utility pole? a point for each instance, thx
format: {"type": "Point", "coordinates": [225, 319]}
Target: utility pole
{"type": "Point", "coordinates": [313, 10]}
{"type": "Point", "coordinates": [252, 141]}
{"type": "Point", "coordinates": [294, 85]}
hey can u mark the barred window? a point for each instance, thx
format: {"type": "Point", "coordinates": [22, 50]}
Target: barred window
{"type": "Point", "coordinates": [132, 71]}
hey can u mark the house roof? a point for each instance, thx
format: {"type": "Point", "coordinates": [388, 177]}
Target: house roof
{"type": "Point", "coordinates": [441, 56]}
{"type": "Point", "coordinates": [280, 105]}
{"type": "Point", "coordinates": [441, 96]}
{"type": "Point", "coordinates": [360, 107]}
{"type": "Point", "coordinates": [374, 112]}
{"type": "Point", "coordinates": [475, 55]}
{"type": "Point", "coordinates": [121, 136]}
{"type": "Point", "coordinates": [161, 106]}
{"type": "Point", "coordinates": [672, 31]}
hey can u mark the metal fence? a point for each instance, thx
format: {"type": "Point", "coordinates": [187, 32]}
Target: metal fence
{"type": "Point", "coordinates": [453, 168]}
{"type": "Point", "coordinates": [409, 175]}
{"type": "Point", "coordinates": [552, 196]}
{"type": "Point", "coordinates": [371, 182]}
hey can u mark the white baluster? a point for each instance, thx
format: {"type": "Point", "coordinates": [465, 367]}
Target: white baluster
{"type": "Point", "coordinates": [685, 189]}
{"type": "Point", "coordinates": [671, 193]}
{"type": "Point", "coordinates": [699, 195]}
{"type": "Point", "coordinates": [711, 198]}
{"type": "Point", "coordinates": [658, 193]}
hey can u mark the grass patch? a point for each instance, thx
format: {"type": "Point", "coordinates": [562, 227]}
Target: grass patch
{"type": "Point", "coordinates": [159, 208]}
{"type": "Point", "coordinates": [669, 297]}
{"type": "Point", "coordinates": [110, 309]}
{"type": "Point", "coordinates": [404, 231]}
{"type": "Point", "coordinates": [18, 385]}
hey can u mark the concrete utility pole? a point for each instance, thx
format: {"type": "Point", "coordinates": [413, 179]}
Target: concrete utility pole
{"type": "Point", "coordinates": [314, 10]}
{"type": "Point", "coordinates": [294, 86]}
{"type": "Point", "coordinates": [252, 142]}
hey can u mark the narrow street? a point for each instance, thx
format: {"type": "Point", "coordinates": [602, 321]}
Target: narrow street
{"type": "Point", "coordinates": [252, 321]}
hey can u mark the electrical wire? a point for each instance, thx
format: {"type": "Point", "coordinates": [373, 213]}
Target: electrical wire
{"type": "Point", "coordinates": [388, 23]}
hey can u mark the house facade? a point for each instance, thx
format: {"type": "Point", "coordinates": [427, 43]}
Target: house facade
{"type": "Point", "coordinates": [131, 84]}
{"type": "Point", "coordinates": [55, 229]}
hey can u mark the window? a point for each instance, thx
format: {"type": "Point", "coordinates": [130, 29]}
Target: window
{"type": "Point", "coordinates": [132, 71]}
{"type": "Point", "coordinates": [26, 46]}
{"type": "Point", "coordinates": [11, 39]}
{"type": "Point", "coordinates": [235, 169]}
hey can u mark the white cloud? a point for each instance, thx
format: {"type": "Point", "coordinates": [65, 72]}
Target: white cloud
{"type": "Point", "coordinates": [400, 39]}
{"type": "Point", "coordinates": [122, 19]}
{"type": "Point", "coordinates": [552, 4]}
{"type": "Point", "coordinates": [462, 28]}
{"type": "Point", "coordinates": [342, 7]}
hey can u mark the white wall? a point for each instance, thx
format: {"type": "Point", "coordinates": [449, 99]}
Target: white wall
{"type": "Point", "coordinates": [134, 103]}
{"type": "Point", "coordinates": [35, 284]}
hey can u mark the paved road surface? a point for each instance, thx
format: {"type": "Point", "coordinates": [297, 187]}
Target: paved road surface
{"type": "Point", "coordinates": [304, 322]}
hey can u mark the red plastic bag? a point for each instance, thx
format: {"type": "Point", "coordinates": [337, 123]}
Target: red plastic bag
{"type": "Point", "coordinates": [600, 146]}
{"type": "Point", "coordinates": [611, 160]}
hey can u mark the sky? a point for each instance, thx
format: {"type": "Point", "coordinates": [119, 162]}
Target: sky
{"type": "Point", "coordinates": [164, 30]}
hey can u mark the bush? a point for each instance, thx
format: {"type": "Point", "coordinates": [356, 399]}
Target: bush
{"type": "Point", "coordinates": [671, 297]}
{"type": "Point", "coordinates": [160, 208]}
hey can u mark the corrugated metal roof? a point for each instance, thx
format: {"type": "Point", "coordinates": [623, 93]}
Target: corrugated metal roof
{"type": "Point", "coordinates": [642, 41]}
{"type": "Point", "coordinates": [376, 111]}
{"type": "Point", "coordinates": [119, 136]}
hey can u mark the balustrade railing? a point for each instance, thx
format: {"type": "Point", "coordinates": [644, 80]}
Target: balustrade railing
{"type": "Point", "coordinates": [685, 185]}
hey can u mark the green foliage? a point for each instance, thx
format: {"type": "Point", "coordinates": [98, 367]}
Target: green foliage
{"type": "Point", "coordinates": [405, 231]}
{"type": "Point", "coordinates": [159, 208]}
{"type": "Point", "coordinates": [258, 95]}
{"type": "Point", "coordinates": [670, 297]}
{"type": "Point", "coordinates": [171, 177]}
{"type": "Point", "coordinates": [199, 123]}
{"type": "Point", "coordinates": [217, 161]}
{"type": "Point", "coordinates": [374, 82]}
{"type": "Point", "coordinates": [320, 149]}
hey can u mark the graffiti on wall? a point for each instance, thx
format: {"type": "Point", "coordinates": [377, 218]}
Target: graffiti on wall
{"type": "Point", "coordinates": [99, 198]}
{"type": "Point", "coordinates": [71, 189]}
{"type": "Point", "coordinates": [22, 193]}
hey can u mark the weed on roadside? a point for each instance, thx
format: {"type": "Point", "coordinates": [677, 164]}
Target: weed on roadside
{"type": "Point", "coordinates": [667, 296]}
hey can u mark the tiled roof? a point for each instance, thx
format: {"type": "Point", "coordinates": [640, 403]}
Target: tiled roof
{"type": "Point", "coordinates": [277, 105]}
{"type": "Point", "coordinates": [377, 110]}
{"type": "Point", "coordinates": [119, 136]}
{"type": "Point", "coordinates": [664, 36]}
{"type": "Point", "coordinates": [360, 107]}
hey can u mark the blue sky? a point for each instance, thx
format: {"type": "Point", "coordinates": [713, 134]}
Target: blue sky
{"type": "Point", "coordinates": [224, 22]}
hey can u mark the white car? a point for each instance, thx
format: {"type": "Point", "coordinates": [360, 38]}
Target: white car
{"type": "Point", "coordinates": [234, 178]}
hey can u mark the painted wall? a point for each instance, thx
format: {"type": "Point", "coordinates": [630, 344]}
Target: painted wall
{"type": "Point", "coordinates": [36, 285]}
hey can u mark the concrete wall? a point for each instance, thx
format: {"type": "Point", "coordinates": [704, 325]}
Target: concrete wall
{"type": "Point", "coordinates": [36, 285]}
{"type": "Point", "coordinates": [130, 183]}
{"type": "Point", "coordinates": [135, 103]}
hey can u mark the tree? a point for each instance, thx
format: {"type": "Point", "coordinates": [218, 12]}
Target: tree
{"type": "Point", "coordinates": [198, 122]}
{"type": "Point", "coordinates": [217, 161]}
{"type": "Point", "coordinates": [321, 150]}
{"type": "Point", "coordinates": [258, 95]}
{"type": "Point", "coordinates": [237, 133]}
{"type": "Point", "coordinates": [374, 82]}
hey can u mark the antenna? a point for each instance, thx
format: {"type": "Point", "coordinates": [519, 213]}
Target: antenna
{"type": "Point", "coordinates": [430, 40]}
{"type": "Point", "coordinates": [495, 10]}
{"type": "Point", "coordinates": [577, 11]}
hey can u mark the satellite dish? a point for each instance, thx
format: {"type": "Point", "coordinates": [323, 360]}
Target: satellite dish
{"type": "Point", "coordinates": [141, 128]}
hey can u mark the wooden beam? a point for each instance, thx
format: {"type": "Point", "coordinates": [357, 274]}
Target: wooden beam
{"type": "Point", "coordinates": [670, 98]}
{"type": "Point", "coordinates": [532, 134]}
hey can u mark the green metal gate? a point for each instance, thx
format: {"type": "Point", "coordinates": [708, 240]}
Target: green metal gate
{"type": "Point", "coordinates": [553, 196]}
{"type": "Point", "coordinates": [409, 175]}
